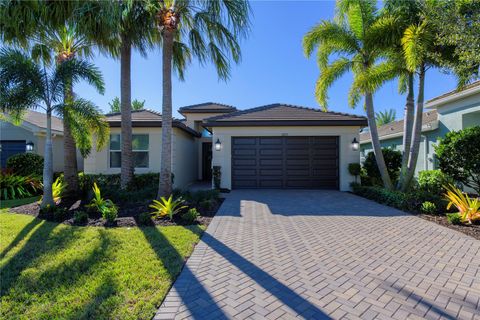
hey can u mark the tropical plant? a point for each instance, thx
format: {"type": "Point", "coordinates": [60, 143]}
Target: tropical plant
{"type": "Point", "coordinates": [115, 105]}
{"type": "Point", "coordinates": [167, 207]}
{"type": "Point", "coordinates": [468, 207]}
{"type": "Point", "coordinates": [13, 186]}
{"type": "Point", "coordinates": [106, 207]}
{"type": "Point", "coordinates": [428, 207]}
{"type": "Point", "coordinates": [207, 30]}
{"type": "Point", "coordinates": [58, 189]}
{"type": "Point", "coordinates": [79, 125]}
{"type": "Point", "coordinates": [458, 156]}
{"type": "Point", "coordinates": [190, 216]}
{"type": "Point", "coordinates": [385, 117]}
{"type": "Point", "coordinates": [353, 39]}
{"type": "Point", "coordinates": [25, 84]}
{"type": "Point", "coordinates": [26, 164]}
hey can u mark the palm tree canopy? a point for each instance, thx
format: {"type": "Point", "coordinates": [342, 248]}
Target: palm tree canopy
{"type": "Point", "coordinates": [206, 30]}
{"type": "Point", "coordinates": [385, 117]}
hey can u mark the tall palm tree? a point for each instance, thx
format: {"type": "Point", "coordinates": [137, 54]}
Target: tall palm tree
{"type": "Point", "coordinates": [385, 117]}
{"type": "Point", "coordinates": [207, 30]}
{"type": "Point", "coordinates": [117, 27]}
{"type": "Point", "coordinates": [61, 45]}
{"type": "Point", "coordinates": [25, 84]}
{"type": "Point", "coordinates": [353, 36]}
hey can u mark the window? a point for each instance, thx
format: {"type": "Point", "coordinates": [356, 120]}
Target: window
{"type": "Point", "coordinates": [140, 144]}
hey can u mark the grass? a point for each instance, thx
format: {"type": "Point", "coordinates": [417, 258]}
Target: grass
{"type": "Point", "coordinates": [17, 202]}
{"type": "Point", "coordinates": [54, 271]}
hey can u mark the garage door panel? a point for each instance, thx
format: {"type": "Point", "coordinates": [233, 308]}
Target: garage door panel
{"type": "Point", "coordinates": [285, 162]}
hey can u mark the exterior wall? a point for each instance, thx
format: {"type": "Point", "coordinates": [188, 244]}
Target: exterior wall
{"type": "Point", "coordinates": [346, 135]}
{"type": "Point", "coordinates": [183, 156]}
{"type": "Point", "coordinates": [459, 114]}
{"type": "Point", "coordinates": [57, 147]}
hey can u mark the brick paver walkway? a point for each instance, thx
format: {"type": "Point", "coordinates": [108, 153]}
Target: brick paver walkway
{"type": "Point", "coordinates": [281, 254]}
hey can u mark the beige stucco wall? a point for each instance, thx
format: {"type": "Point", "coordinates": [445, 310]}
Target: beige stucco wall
{"type": "Point", "coordinates": [57, 147]}
{"type": "Point", "coordinates": [346, 134]}
{"type": "Point", "coordinates": [183, 156]}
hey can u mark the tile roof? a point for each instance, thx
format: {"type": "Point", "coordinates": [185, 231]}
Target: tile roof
{"type": "Point", "coordinates": [285, 114]}
{"type": "Point", "coordinates": [397, 126]}
{"type": "Point", "coordinates": [207, 107]}
{"type": "Point", "coordinates": [147, 118]}
{"type": "Point", "coordinates": [39, 119]}
{"type": "Point", "coordinates": [450, 93]}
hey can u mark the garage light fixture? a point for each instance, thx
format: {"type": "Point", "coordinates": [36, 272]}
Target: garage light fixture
{"type": "Point", "coordinates": [29, 146]}
{"type": "Point", "coordinates": [218, 145]}
{"type": "Point", "coordinates": [355, 144]}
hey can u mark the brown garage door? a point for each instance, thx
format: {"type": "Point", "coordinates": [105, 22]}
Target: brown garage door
{"type": "Point", "coordinates": [285, 162]}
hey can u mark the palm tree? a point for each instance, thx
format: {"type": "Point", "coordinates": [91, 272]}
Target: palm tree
{"type": "Point", "coordinates": [207, 30]}
{"type": "Point", "coordinates": [117, 27]}
{"type": "Point", "coordinates": [385, 117]}
{"type": "Point", "coordinates": [353, 37]}
{"type": "Point", "coordinates": [136, 105]}
{"type": "Point", "coordinates": [25, 84]}
{"type": "Point", "coordinates": [64, 44]}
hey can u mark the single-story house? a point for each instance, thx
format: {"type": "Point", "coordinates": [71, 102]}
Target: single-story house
{"type": "Point", "coordinates": [452, 111]}
{"type": "Point", "coordinates": [29, 136]}
{"type": "Point", "coordinates": [274, 146]}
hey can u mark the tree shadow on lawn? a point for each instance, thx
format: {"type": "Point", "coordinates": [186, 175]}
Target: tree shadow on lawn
{"type": "Point", "coordinates": [22, 234]}
{"type": "Point", "coordinates": [173, 262]}
{"type": "Point", "coordinates": [41, 243]}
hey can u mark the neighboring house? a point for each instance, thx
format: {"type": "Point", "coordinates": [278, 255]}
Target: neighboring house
{"type": "Point", "coordinates": [451, 111]}
{"type": "Point", "coordinates": [32, 131]}
{"type": "Point", "coordinates": [274, 146]}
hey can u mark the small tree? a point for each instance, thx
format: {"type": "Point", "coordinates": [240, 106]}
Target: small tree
{"type": "Point", "coordinates": [354, 169]}
{"type": "Point", "coordinates": [393, 161]}
{"type": "Point", "coordinates": [459, 156]}
{"type": "Point", "coordinates": [115, 105]}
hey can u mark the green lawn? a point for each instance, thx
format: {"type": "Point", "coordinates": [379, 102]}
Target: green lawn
{"type": "Point", "coordinates": [50, 270]}
{"type": "Point", "coordinates": [17, 202]}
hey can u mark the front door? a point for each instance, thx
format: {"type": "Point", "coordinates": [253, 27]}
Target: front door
{"type": "Point", "coordinates": [207, 161]}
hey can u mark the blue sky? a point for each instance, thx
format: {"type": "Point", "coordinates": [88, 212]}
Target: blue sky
{"type": "Point", "coordinates": [273, 69]}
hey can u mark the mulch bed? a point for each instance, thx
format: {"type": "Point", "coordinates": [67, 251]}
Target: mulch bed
{"type": "Point", "coordinates": [472, 230]}
{"type": "Point", "coordinates": [127, 214]}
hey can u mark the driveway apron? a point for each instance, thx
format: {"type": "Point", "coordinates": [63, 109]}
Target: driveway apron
{"type": "Point", "coordinates": [310, 254]}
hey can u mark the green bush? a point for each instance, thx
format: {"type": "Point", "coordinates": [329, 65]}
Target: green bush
{"type": "Point", "coordinates": [190, 216]}
{"type": "Point", "coordinates": [393, 161]}
{"type": "Point", "coordinates": [454, 218]}
{"type": "Point", "coordinates": [433, 181]}
{"type": "Point", "coordinates": [459, 156]}
{"type": "Point", "coordinates": [354, 169]}
{"type": "Point", "coordinates": [145, 218]}
{"type": "Point", "coordinates": [110, 213]}
{"type": "Point", "coordinates": [80, 217]}
{"type": "Point", "coordinates": [428, 207]}
{"type": "Point", "coordinates": [26, 164]}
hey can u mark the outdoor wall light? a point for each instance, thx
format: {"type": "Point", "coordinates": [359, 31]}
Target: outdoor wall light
{"type": "Point", "coordinates": [355, 144]}
{"type": "Point", "coordinates": [218, 145]}
{"type": "Point", "coordinates": [29, 146]}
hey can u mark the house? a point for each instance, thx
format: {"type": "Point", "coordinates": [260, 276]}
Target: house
{"type": "Point", "coordinates": [452, 111]}
{"type": "Point", "coordinates": [30, 134]}
{"type": "Point", "coordinates": [274, 146]}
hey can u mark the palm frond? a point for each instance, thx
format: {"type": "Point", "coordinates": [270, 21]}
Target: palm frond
{"type": "Point", "coordinates": [328, 75]}
{"type": "Point", "coordinates": [415, 42]}
{"type": "Point", "coordinates": [385, 117]}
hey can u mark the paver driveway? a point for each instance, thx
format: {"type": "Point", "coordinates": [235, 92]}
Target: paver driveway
{"type": "Point", "coordinates": [325, 254]}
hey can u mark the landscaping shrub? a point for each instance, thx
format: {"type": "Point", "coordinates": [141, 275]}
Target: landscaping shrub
{"type": "Point", "coordinates": [393, 161]}
{"type": "Point", "coordinates": [168, 207]}
{"type": "Point", "coordinates": [145, 218]}
{"type": "Point", "coordinates": [433, 181]}
{"type": "Point", "coordinates": [106, 207]}
{"type": "Point", "coordinates": [190, 216]}
{"type": "Point", "coordinates": [110, 213]}
{"type": "Point", "coordinates": [459, 156]}
{"type": "Point", "coordinates": [454, 218]}
{"type": "Point", "coordinates": [80, 217]}
{"type": "Point", "coordinates": [13, 186]}
{"type": "Point", "coordinates": [429, 207]}
{"type": "Point", "coordinates": [53, 212]}
{"type": "Point", "coordinates": [26, 164]}
{"type": "Point", "coordinates": [354, 169]}
{"type": "Point", "coordinates": [217, 176]}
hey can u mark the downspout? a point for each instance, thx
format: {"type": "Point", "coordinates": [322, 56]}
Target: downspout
{"type": "Point", "coordinates": [425, 152]}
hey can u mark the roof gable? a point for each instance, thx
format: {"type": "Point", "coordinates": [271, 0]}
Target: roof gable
{"type": "Point", "coordinates": [285, 114]}
{"type": "Point", "coordinates": [207, 107]}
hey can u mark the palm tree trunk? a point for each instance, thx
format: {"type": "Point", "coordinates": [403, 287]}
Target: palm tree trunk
{"type": "Point", "coordinates": [377, 149]}
{"type": "Point", "coordinates": [165, 181]}
{"type": "Point", "coordinates": [407, 130]}
{"type": "Point", "coordinates": [417, 131]}
{"type": "Point", "coordinates": [126, 112]}
{"type": "Point", "coordinates": [48, 164]}
{"type": "Point", "coordinates": [70, 168]}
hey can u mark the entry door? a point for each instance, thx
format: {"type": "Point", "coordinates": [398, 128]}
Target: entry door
{"type": "Point", "coordinates": [207, 161]}
{"type": "Point", "coordinates": [285, 162]}
{"type": "Point", "coordinates": [10, 148]}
